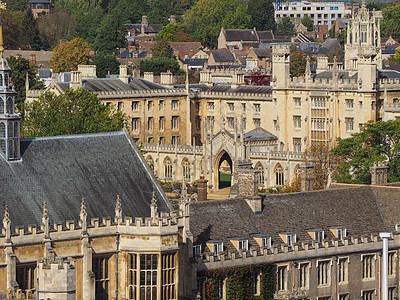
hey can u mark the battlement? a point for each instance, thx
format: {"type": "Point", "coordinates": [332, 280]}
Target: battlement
{"type": "Point", "coordinates": [163, 223]}
{"type": "Point", "coordinates": [141, 93]}
{"type": "Point", "coordinates": [169, 148]}
{"type": "Point", "coordinates": [323, 83]}
{"type": "Point", "coordinates": [280, 49]}
{"type": "Point", "coordinates": [279, 155]}
{"type": "Point", "coordinates": [237, 95]}
{"type": "Point", "coordinates": [300, 250]}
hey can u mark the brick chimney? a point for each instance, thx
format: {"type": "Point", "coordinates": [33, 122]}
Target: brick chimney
{"type": "Point", "coordinates": [307, 178]}
{"type": "Point", "coordinates": [202, 189]}
{"type": "Point", "coordinates": [379, 174]}
{"type": "Point", "coordinates": [32, 59]}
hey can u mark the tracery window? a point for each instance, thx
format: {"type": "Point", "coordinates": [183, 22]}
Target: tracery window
{"type": "Point", "coordinates": [186, 169]}
{"type": "Point", "coordinates": [279, 175]}
{"type": "Point", "coordinates": [26, 276]}
{"type": "Point", "coordinates": [100, 270]}
{"type": "Point", "coordinates": [9, 105]}
{"type": "Point", "coordinates": [3, 137]}
{"type": "Point", "coordinates": [260, 178]}
{"type": "Point", "coordinates": [168, 276]}
{"type": "Point", "coordinates": [168, 169]}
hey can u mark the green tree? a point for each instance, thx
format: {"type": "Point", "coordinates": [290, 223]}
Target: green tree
{"type": "Point", "coordinates": [30, 31]}
{"type": "Point", "coordinates": [16, 5]}
{"type": "Point", "coordinates": [390, 24]}
{"type": "Point", "coordinates": [12, 29]}
{"type": "Point", "coordinates": [285, 27]}
{"type": "Point", "coordinates": [162, 49]}
{"type": "Point", "coordinates": [308, 22]}
{"type": "Point", "coordinates": [298, 61]}
{"type": "Point", "coordinates": [67, 56]}
{"type": "Point", "coordinates": [106, 63]}
{"type": "Point", "coordinates": [169, 31]}
{"type": "Point", "coordinates": [377, 5]}
{"type": "Point", "coordinates": [205, 19]}
{"type": "Point", "coordinates": [160, 64]}
{"type": "Point", "coordinates": [376, 143]}
{"type": "Point", "coordinates": [19, 68]}
{"type": "Point", "coordinates": [73, 112]}
{"type": "Point", "coordinates": [110, 34]}
{"type": "Point", "coordinates": [88, 24]}
{"type": "Point", "coordinates": [262, 14]}
{"type": "Point", "coordinates": [57, 26]}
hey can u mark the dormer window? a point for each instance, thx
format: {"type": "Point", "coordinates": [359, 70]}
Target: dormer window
{"type": "Point", "coordinates": [240, 244]}
{"type": "Point", "coordinates": [264, 241]}
{"type": "Point", "coordinates": [317, 235]}
{"type": "Point", "coordinates": [215, 246]}
{"type": "Point", "coordinates": [339, 232]}
{"type": "Point", "coordinates": [196, 250]}
{"type": "Point", "coordinates": [288, 238]}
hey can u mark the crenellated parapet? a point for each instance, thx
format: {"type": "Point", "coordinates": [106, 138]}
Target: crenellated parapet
{"type": "Point", "coordinates": [234, 95]}
{"type": "Point", "coordinates": [299, 250]}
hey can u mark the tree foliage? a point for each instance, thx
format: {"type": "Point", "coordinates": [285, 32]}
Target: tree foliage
{"type": "Point", "coordinates": [30, 32]}
{"type": "Point", "coordinates": [16, 5]}
{"type": "Point", "coordinates": [308, 22]}
{"type": "Point", "coordinates": [57, 26]}
{"type": "Point", "coordinates": [262, 14]}
{"type": "Point", "coordinates": [285, 27]}
{"type": "Point", "coordinates": [162, 49]}
{"type": "Point", "coordinates": [169, 31]}
{"type": "Point", "coordinates": [376, 143]}
{"type": "Point", "coordinates": [205, 19]}
{"type": "Point", "coordinates": [12, 29]}
{"type": "Point", "coordinates": [19, 68]}
{"type": "Point", "coordinates": [110, 34]}
{"type": "Point", "coordinates": [390, 24]}
{"type": "Point", "coordinates": [160, 64]}
{"type": "Point", "coordinates": [106, 63]}
{"type": "Point", "coordinates": [74, 112]}
{"type": "Point", "coordinates": [69, 55]}
{"type": "Point", "coordinates": [298, 61]}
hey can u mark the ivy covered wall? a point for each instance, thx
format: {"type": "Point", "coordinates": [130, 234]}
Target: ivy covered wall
{"type": "Point", "coordinates": [240, 282]}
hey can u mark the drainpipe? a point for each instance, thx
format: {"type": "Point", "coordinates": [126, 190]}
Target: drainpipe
{"type": "Point", "coordinates": [385, 239]}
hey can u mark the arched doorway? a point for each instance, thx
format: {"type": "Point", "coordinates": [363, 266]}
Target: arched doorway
{"type": "Point", "coordinates": [224, 171]}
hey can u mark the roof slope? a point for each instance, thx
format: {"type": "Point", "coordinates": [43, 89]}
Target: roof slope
{"type": "Point", "coordinates": [354, 208]}
{"type": "Point", "coordinates": [223, 56]}
{"type": "Point", "coordinates": [61, 170]}
{"type": "Point", "coordinates": [241, 35]}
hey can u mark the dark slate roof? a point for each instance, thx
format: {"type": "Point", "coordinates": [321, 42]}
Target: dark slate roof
{"type": "Point", "coordinates": [241, 89]}
{"type": "Point", "coordinates": [265, 35]}
{"type": "Point", "coordinates": [263, 52]}
{"type": "Point", "coordinates": [388, 74]}
{"type": "Point", "coordinates": [259, 134]}
{"type": "Point", "coordinates": [331, 44]}
{"type": "Point", "coordinates": [194, 87]}
{"type": "Point", "coordinates": [141, 84]}
{"type": "Point", "coordinates": [61, 170]}
{"type": "Point", "coordinates": [195, 61]}
{"type": "Point", "coordinates": [125, 54]}
{"type": "Point", "coordinates": [223, 56]}
{"type": "Point", "coordinates": [354, 208]}
{"type": "Point", "coordinates": [240, 35]}
{"type": "Point", "coordinates": [105, 84]}
{"type": "Point", "coordinates": [151, 28]}
{"type": "Point", "coordinates": [44, 73]}
{"type": "Point", "coordinates": [63, 85]}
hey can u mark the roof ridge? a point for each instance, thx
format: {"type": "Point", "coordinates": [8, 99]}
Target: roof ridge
{"type": "Point", "coordinates": [71, 136]}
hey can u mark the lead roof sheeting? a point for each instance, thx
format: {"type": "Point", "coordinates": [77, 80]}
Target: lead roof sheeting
{"type": "Point", "coordinates": [62, 170]}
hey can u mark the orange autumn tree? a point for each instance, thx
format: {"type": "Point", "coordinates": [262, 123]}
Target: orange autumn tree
{"type": "Point", "coordinates": [67, 56]}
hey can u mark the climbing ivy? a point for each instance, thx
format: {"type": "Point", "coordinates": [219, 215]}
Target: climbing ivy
{"type": "Point", "coordinates": [239, 282]}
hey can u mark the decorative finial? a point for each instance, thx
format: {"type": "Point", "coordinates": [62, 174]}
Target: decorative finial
{"type": "Point", "coordinates": [118, 207]}
{"type": "Point", "coordinates": [45, 214]}
{"type": "Point", "coordinates": [6, 218]}
{"type": "Point", "coordinates": [153, 207]}
{"type": "Point", "coordinates": [83, 212]}
{"type": "Point", "coordinates": [2, 7]}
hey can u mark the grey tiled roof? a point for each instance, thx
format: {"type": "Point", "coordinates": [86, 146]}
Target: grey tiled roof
{"type": "Point", "coordinates": [223, 56]}
{"type": "Point", "coordinates": [241, 35]}
{"type": "Point", "coordinates": [61, 170]}
{"type": "Point", "coordinates": [354, 208]}
{"type": "Point", "coordinates": [241, 89]}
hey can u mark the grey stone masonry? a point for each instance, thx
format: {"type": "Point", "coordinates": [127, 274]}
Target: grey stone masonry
{"type": "Point", "coordinates": [307, 178]}
{"type": "Point", "coordinates": [379, 175]}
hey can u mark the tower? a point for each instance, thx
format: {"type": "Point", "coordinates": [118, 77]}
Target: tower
{"type": "Point", "coordinates": [363, 39]}
{"type": "Point", "coordinates": [9, 120]}
{"type": "Point", "coordinates": [280, 66]}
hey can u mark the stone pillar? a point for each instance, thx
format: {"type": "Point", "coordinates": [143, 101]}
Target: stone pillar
{"type": "Point", "coordinates": [166, 78]}
{"type": "Point", "coordinates": [245, 185]}
{"type": "Point", "coordinates": [88, 286]}
{"type": "Point", "coordinates": [307, 178]}
{"type": "Point", "coordinates": [379, 175]}
{"type": "Point", "coordinates": [202, 189]}
{"type": "Point", "coordinates": [11, 261]}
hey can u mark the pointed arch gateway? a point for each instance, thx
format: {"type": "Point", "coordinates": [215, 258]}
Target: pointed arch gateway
{"type": "Point", "coordinates": [223, 169]}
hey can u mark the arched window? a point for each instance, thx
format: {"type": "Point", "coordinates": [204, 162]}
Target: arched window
{"type": "Point", "coordinates": [1, 105]}
{"type": "Point", "coordinates": [1, 79]}
{"type": "Point", "coordinates": [9, 105]}
{"type": "Point", "coordinates": [168, 168]}
{"type": "Point", "coordinates": [186, 169]}
{"type": "Point", "coordinates": [150, 162]}
{"type": "Point", "coordinates": [6, 80]}
{"type": "Point", "coordinates": [16, 129]}
{"type": "Point", "coordinates": [297, 171]}
{"type": "Point", "coordinates": [10, 130]}
{"type": "Point", "coordinates": [260, 178]}
{"type": "Point", "coordinates": [3, 137]}
{"type": "Point", "coordinates": [279, 175]}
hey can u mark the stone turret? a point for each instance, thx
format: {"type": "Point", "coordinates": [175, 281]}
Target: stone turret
{"type": "Point", "coordinates": [280, 66]}
{"type": "Point", "coordinates": [379, 175]}
{"type": "Point", "coordinates": [307, 178]}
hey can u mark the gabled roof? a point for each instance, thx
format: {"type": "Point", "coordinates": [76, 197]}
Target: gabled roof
{"type": "Point", "coordinates": [62, 169]}
{"type": "Point", "coordinates": [331, 44]}
{"type": "Point", "coordinates": [151, 28]}
{"type": "Point", "coordinates": [354, 208]}
{"type": "Point", "coordinates": [237, 35]}
{"type": "Point", "coordinates": [259, 134]}
{"type": "Point", "coordinates": [223, 56]}
{"type": "Point", "coordinates": [263, 52]}
{"type": "Point", "coordinates": [265, 35]}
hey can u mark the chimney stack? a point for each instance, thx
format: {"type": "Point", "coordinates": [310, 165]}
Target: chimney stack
{"type": "Point", "coordinates": [379, 174]}
{"type": "Point", "coordinates": [202, 189]}
{"type": "Point", "coordinates": [307, 178]}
